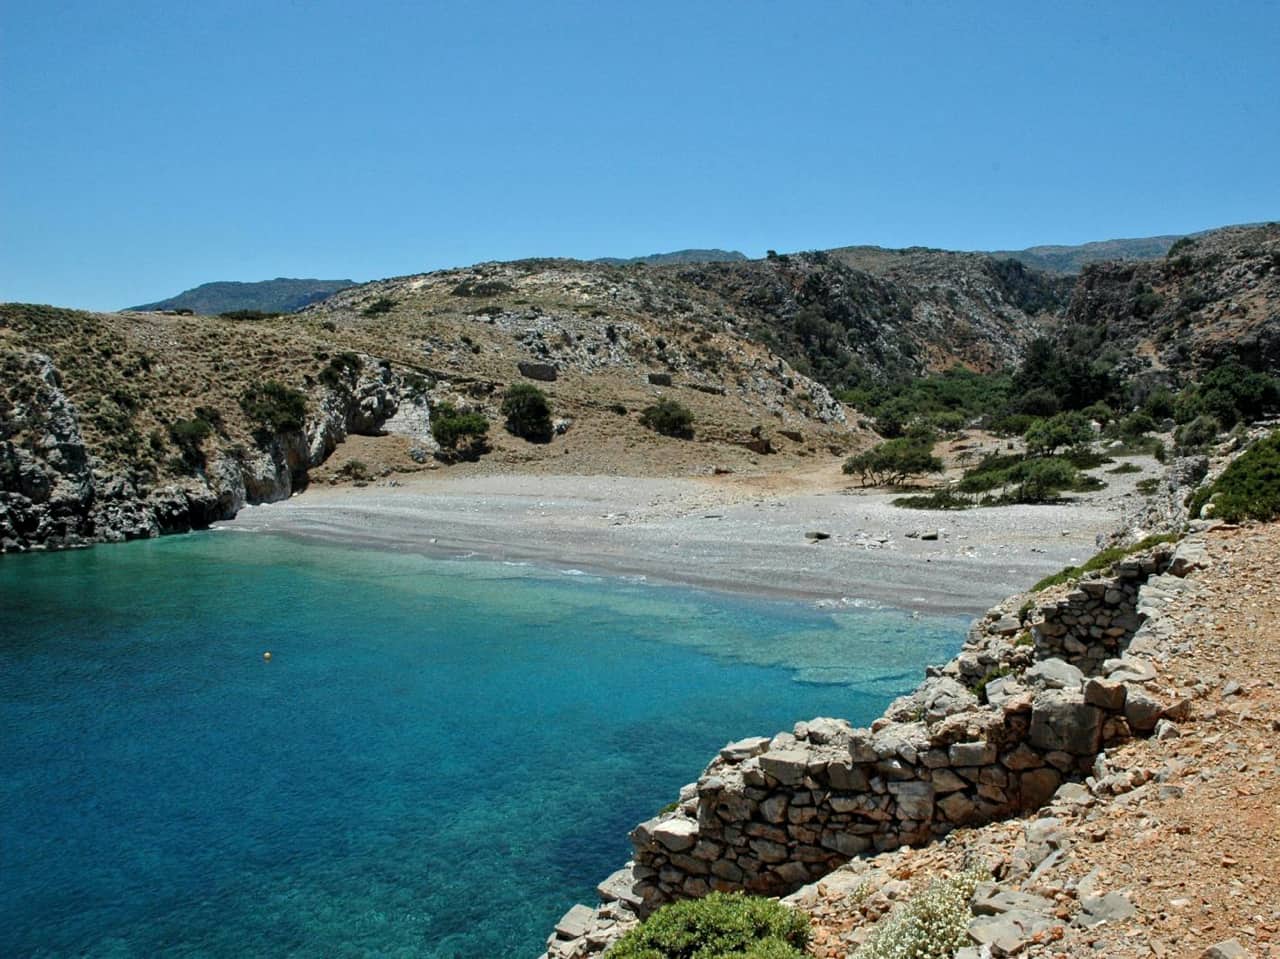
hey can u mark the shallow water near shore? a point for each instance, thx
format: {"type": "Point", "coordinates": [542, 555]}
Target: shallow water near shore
{"type": "Point", "coordinates": [439, 758]}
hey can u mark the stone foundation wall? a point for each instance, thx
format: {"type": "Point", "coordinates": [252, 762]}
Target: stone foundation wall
{"type": "Point", "coordinates": [1027, 705]}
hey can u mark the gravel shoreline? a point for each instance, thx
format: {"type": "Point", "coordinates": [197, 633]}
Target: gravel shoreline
{"type": "Point", "coordinates": [707, 533]}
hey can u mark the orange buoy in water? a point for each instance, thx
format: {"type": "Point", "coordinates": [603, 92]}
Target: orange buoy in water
{"type": "Point", "coordinates": [267, 656]}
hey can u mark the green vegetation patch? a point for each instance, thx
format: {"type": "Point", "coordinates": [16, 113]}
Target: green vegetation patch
{"type": "Point", "coordinates": [274, 407]}
{"type": "Point", "coordinates": [528, 413]}
{"type": "Point", "coordinates": [460, 435]}
{"type": "Point", "coordinates": [894, 461]}
{"type": "Point", "coordinates": [1102, 560]}
{"type": "Point", "coordinates": [719, 926]}
{"type": "Point", "coordinates": [1248, 489]}
{"type": "Point", "coordinates": [669, 418]}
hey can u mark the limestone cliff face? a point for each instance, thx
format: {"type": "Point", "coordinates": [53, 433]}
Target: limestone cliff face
{"type": "Point", "coordinates": [46, 486]}
{"type": "Point", "coordinates": [55, 493]}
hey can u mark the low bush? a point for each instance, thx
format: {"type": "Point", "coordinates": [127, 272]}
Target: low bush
{"type": "Point", "coordinates": [341, 371]}
{"type": "Point", "coordinates": [248, 315]}
{"type": "Point", "coordinates": [719, 926]}
{"type": "Point", "coordinates": [932, 925]}
{"type": "Point", "coordinates": [460, 435]}
{"type": "Point", "coordinates": [669, 418]}
{"type": "Point", "coordinates": [189, 437]}
{"type": "Point", "coordinates": [528, 413]}
{"type": "Point", "coordinates": [1196, 435]}
{"type": "Point", "coordinates": [383, 304]}
{"type": "Point", "coordinates": [1247, 489]}
{"type": "Point", "coordinates": [1124, 468]}
{"type": "Point", "coordinates": [941, 499]}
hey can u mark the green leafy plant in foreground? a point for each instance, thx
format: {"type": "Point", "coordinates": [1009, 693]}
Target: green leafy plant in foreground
{"type": "Point", "coordinates": [1248, 489]}
{"type": "Point", "coordinates": [719, 926]}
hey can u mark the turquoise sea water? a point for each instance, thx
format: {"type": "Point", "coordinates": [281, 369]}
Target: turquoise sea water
{"type": "Point", "coordinates": [439, 759]}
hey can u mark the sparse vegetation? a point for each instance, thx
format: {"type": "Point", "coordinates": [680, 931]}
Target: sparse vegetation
{"type": "Point", "coordinates": [931, 925]}
{"type": "Point", "coordinates": [274, 408]}
{"type": "Point", "coordinates": [382, 305]}
{"type": "Point", "coordinates": [719, 926]}
{"type": "Point", "coordinates": [1103, 560]}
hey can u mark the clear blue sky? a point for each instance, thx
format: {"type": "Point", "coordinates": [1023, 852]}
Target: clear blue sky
{"type": "Point", "coordinates": [146, 147]}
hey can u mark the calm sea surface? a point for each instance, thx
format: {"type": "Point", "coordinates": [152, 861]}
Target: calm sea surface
{"type": "Point", "coordinates": [439, 759]}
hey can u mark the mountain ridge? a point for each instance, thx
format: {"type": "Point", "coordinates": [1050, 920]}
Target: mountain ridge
{"type": "Point", "coordinates": [280, 295]}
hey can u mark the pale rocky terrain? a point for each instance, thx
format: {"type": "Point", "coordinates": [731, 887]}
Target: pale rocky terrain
{"type": "Point", "coordinates": [1172, 846]}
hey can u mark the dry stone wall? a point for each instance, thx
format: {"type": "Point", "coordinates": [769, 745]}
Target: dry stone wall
{"type": "Point", "coordinates": [1029, 702]}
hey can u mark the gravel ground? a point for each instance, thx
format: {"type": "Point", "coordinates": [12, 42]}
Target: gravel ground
{"type": "Point", "coordinates": [744, 534]}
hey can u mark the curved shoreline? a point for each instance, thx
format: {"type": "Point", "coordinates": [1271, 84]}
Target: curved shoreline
{"type": "Point", "coordinates": [700, 533]}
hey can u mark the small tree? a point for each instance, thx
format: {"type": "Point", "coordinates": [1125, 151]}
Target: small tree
{"type": "Point", "coordinates": [460, 435]}
{"type": "Point", "coordinates": [528, 413]}
{"type": "Point", "coordinates": [1064, 429]}
{"type": "Point", "coordinates": [668, 418]}
{"type": "Point", "coordinates": [893, 461]}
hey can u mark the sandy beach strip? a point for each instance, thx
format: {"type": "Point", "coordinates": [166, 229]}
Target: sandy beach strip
{"type": "Point", "coordinates": [715, 535]}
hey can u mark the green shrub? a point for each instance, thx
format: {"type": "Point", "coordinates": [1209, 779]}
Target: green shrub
{"type": "Point", "coordinates": [932, 925]}
{"type": "Point", "coordinates": [1063, 429]}
{"type": "Point", "coordinates": [274, 407]}
{"type": "Point", "coordinates": [248, 315]}
{"type": "Point", "coordinates": [189, 437]}
{"type": "Point", "coordinates": [528, 413]}
{"type": "Point", "coordinates": [1043, 480]}
{"type": "Point", "coordinates": [1147, 486]}
{"type": "Point", "coordinates": [342, 370]}
{"type": "Point", "coordinates": [941, 499]}
{"type": "Point", "coordinates": [460, 435]}
{"type": "Point", "coordinates": [893, 461]}
{"type": "Point", "coordinates": [720, 926]}
{"type": "Point", "coordinates": [668, 418]}
{"type": "Point", "coordinates": [383, 304]}
{"type": "Point", "coordinates": [482, 288]}
{"type": "Point", "coordinates": [1248, 489]}
{"type": "Point", "coordinates": [357, 470]}
{"type": "Point", "coordinates": [1124, 468]}
{"type": "Point", "coordinates": [1135, 425]}
{"type": "Point", "coordinates": [1197, 434]}
{"type": "Point", "coordinates": [211, 415]}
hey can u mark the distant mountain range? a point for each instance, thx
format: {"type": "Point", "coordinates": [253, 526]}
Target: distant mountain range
{"type": "Point", "coordinates": [677, 258]}
{"type": "Point", "coordinates": [1072, 259]}
{"type": "Point", "coordinates": [281, 295]}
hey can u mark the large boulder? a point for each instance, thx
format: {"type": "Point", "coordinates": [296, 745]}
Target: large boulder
{"type": "Point", "coordinates": [1061, 720]}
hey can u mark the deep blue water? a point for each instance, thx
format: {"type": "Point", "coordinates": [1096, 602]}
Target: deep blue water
{"type": "Point", "coordinates": [440, 757]}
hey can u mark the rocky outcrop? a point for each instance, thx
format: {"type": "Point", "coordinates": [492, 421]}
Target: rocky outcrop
{"type": "Point", "coordinates": [1025, 708]}
{"type": "Point", "coordinates": [46, 484]}
{"type": "Point", "coordinates": [54, 494]}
